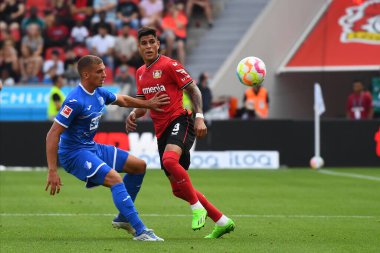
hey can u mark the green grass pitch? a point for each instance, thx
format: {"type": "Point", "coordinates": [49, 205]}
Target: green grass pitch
{"type": "Point", "coordinates": [289, 210]}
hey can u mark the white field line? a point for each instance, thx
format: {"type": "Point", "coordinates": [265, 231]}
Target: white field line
{"type": "Point", "coordinates": [295, 216]}
{"type": "Point", "coordinates": [352, 175]}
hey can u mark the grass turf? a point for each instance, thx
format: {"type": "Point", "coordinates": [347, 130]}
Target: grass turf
{"type": "Point", "coordinates": [296, 210]}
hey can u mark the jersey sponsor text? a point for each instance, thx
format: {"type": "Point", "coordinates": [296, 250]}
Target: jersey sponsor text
{"type": "Point", "coordinates": [154, 89]}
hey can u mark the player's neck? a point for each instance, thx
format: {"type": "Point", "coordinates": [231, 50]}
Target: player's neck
{"type": "Point", "coordinates": [89, 88]}
{"type": "Point", "coordinates": [148, 63]}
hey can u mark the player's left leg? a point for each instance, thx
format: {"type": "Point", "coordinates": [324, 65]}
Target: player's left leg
{"type": "Point", "coordinates": [170, 160]}
{"type": "Point", "coordinates": [135, 171]}
{"type": "Point", "coordinates": [135, 168]}
{"type": "Point", "coordinates": [124, 203]}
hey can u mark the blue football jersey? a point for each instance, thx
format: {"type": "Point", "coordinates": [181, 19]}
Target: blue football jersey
{"type": "Point", "coordinates": [80, 113]}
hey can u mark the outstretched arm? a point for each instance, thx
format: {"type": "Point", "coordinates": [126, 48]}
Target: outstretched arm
{"type": "Point", "coordinates": [196, 99]}
{"type": "Point", "coordinates": [52, 139]}
{"type": "Point", "coordinates": [154, 103]}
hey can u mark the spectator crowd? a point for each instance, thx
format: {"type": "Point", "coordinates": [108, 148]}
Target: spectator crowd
{"type": "Point", "coordinates": [41, 39]}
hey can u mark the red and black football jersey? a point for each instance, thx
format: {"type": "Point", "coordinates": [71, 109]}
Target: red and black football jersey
{"type": "Point", "coordinates": [168, 76]}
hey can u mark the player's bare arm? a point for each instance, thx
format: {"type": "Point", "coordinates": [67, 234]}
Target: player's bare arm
{"type": "Point", "coordinates": [196, 99]}
{"type": "Point", "coordinates": [154, 103]}
{"type": "Point", "coordinates": [52, 139]}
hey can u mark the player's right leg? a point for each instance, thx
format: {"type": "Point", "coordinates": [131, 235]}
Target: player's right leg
{"type": "Point", "coordinates": [223, 224]}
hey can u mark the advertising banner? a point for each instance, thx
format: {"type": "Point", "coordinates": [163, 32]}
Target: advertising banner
{"type": "Point", "coordinates": [24, 102]}
{"type": "Point", "coordinates": [222, 159]}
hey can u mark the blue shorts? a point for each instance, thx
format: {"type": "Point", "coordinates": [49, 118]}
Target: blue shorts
{"type": "Point", "coordinates": [92, 165]}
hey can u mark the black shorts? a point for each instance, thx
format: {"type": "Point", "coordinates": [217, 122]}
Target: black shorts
{"type": "Point", "coordinates": [181, 133]}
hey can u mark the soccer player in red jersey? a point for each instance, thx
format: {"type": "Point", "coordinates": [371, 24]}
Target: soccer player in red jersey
{"type": "Point", "coordinates": [175, 128]}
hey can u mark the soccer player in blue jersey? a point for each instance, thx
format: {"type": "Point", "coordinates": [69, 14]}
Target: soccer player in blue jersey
{"type": "Point", "coordinates": [70, 139]}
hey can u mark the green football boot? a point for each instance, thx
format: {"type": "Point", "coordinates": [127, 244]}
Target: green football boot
{"type": "Point", "coordinates": [199, 218]}
{"type": "Point", "coordinates": [219, 231]}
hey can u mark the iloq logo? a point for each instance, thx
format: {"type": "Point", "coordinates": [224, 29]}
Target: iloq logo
{"type": "Point", "coordinates": [361, 24]}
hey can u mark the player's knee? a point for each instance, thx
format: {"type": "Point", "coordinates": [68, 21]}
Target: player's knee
{"type": "Point", "coordinates": [168, 162]}
{"type": "Point", "coordinates": [112, 178]}
{"type": "Point", "coordinates": [142, 167]}
{"type": "Point", "coordinates": [138, 166]}
{"type": "Point", "coordinates": [170, 159]}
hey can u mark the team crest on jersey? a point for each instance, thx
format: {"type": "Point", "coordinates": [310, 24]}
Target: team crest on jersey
{"type": "Point", "coordinates": [157, 74]}
{"type": "Point", "coordinates": [66, 111]}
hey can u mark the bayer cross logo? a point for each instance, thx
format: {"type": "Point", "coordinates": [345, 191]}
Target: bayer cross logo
{"type": "Point", "coordinates": [175, 129]}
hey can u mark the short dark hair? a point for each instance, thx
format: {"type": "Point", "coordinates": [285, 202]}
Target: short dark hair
{"type": "Point", "coordinates": [87, 61]}
{"type": "Point", "coordinates": [145, 31]}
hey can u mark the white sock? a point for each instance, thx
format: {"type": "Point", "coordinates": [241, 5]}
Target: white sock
{"type": "Point", "coordinates": [197, 205]}
{"type": "Point", "coordinates": [222, 221]}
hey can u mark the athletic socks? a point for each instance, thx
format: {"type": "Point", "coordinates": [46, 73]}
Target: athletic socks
{"type": "Point", "coordinates": [124, 204]}
{"type": "Point", "coordinates": [170, 161]}
{"type": "Point", "coordinates": [133, 184]}
{"type": "Point", "coordinates": [222, 221]}
{"type": "Point", "coordinates": [181, 190]}
{"type": "Point", "coordinates": [197, 205]}
{"type": "Point", "coordinates": [212, 211]}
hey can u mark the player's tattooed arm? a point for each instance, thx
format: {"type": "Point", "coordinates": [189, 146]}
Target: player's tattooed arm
{"type": "Point", "coordinates": [195, 96]}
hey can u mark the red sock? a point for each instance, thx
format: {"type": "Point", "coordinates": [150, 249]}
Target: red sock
{"type": "Point", "coordinates": [212, 211]}
{"type": "Point", "coordinates": [170, 160]}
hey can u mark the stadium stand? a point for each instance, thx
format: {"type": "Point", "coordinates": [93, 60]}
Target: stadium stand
{"type": "Point", "coordinates": [55, 18]}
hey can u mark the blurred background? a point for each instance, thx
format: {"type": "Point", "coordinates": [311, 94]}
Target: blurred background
{"type": "Point", "coordinates": [335, 43]}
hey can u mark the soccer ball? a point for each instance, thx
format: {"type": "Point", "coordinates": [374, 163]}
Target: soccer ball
{"type": "Point", "coordinates": [251, 71]}
{"type": "Point", "coordinates": [316, 162]}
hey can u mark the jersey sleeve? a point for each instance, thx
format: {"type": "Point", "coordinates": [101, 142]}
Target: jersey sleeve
{"type": "Point", "coordinates": [179, 74]}
{"type": "Point", "coordinates": [139, 93]}
{"type": "Point", "coordinates": [108, 96]}
{"type": "Point", "coordinates": [69, 110]}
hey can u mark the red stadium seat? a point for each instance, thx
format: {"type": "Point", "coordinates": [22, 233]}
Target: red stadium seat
{"type": "Point", "coordinates": [50, 50]}
{"type": "Point", "coordinates": [81, 51]}
{"type": "Point", "coordinates": [42, 5]}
